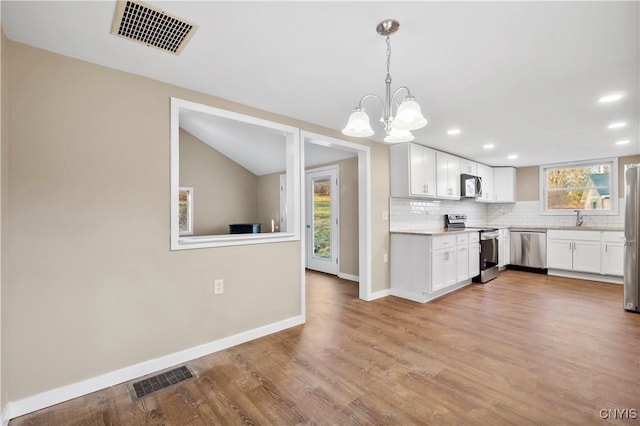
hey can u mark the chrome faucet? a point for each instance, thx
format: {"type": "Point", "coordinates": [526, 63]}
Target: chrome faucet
{"type": "Point", "coordinates": [579, 218]}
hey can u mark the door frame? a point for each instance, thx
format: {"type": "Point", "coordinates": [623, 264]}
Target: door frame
{"type": "Point", "coordinates": [364, 211]}
{"type": "Point", "coordinates": [334, 172]}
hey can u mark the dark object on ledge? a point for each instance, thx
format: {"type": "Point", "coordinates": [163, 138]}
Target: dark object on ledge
{"type": "Point", "coordinates": [244, 228]}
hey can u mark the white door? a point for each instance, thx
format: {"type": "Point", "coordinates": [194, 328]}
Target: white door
{"type": "Point", "coordinates": [322, 225]}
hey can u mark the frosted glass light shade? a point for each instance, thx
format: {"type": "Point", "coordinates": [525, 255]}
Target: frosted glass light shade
{"type": "Point", "coordinates": [358, 125]}
{"type": "Point", "coordinates": [409, 116]}
{"type": "Point", "coordinates": [397, 136]}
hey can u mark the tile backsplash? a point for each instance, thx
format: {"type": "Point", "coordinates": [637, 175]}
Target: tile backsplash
{"type": "Point", "coordinates": [405, 214]}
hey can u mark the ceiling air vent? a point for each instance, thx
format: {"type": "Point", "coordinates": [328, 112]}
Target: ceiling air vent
{"type": "Point", "coordinates": [149, 25]}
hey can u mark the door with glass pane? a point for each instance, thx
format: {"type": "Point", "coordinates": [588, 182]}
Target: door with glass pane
{"type": "Point", "coordinates": [322, 219]}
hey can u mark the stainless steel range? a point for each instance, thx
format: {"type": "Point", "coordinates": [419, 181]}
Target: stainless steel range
{"type": "Point", "coordinates": [488, 246]}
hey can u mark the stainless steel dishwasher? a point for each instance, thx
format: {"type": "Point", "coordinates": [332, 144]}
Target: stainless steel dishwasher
{"type": "Point", "coordinates": [529, 248]}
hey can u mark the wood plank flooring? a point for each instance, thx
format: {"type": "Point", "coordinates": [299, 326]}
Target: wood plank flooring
{"type": "Point", "coordinates": [521, 349]}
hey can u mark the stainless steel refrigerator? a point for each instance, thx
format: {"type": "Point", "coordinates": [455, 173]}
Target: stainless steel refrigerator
{"type": "Point", "coordinates": [631, 230]}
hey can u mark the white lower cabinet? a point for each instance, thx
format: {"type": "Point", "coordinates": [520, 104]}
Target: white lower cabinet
{"type": "Point", "coordinates": [424, 267]}
{"type": "Point", "coordinates": [504, 247]}
{"type": "Point", "coordinates": [474, 260]}
{"type": "Point", "coordinates": [574, 250]}
{"type": "Point", "coordinates": [462, 257]}
{"type": "Point", "coordinates": [588, 252]}
{"type": "Point", "coordinates": [559, 253]}
{"type": "Point", "coordinates": [443, 269]}
{"type": "Point", "coordinates": [612, 253]}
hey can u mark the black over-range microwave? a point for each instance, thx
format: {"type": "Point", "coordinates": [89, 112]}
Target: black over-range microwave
{"type": "Point", "coordinates": [470, 186]}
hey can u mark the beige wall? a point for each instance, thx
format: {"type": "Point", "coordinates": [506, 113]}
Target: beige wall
{"type": "Point", "coordinates": [528, 183]}
{"type": "Point", "coordinates": [92, 285]}
{"type": "Point", "coordinates": [349, 250]}
{"type": "Point", "coordinates": [224, 192]}
{"type": "Point", "coordinates": [528, 179]}
{"type": "Point", "coordinates": [269, 201]}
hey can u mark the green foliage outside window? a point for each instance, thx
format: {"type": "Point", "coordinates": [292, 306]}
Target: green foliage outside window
{"type": "Point", "coordinates": [583, 187]}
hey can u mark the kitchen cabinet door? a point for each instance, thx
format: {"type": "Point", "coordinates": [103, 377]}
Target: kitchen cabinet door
{"type": "Point", "coordinates": [559, 254]}
{"type": "Point", "coordinates": [447, 176]}
{"type": "Point", "coordinates": [443, 269]}
{"type": "Point", "coordinates": [462, 263]}
{"type": "Point", "coordinates": [586, 256]}
{"type": "Point", "coordinates": [426, 172]}
{"type": "Point", "coordinates": [468, 167]}
{"type": "Point", "coordinates": [504, 184]}
{"type": "Point", "coordinates": [612, 253]}
{"type": "Point", "coordinates": [474, 260]}
{"type": "Point", "coordinates": [486, 173]}
{"type": "Point", "coordinates": [613, 258]}
{"type": "Point", "coordinates": [504, 247]}
{"type": "Point", "coordinates": [413, 170]}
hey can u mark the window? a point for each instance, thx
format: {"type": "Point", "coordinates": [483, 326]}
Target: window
{"type": "Point", "coordinates": [185, 210]}
{"type": "Point", "coordinates": [590, 186]}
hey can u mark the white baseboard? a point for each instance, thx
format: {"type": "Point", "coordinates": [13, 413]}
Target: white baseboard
{"type": "Point", "coordinates": [586, 276]}
{"type": "Point", "coordinates": [379, 294]}
{"type": "Point", "coordinates": [349, 277]}
{"type": "Point", "coordinates": [64, 393]}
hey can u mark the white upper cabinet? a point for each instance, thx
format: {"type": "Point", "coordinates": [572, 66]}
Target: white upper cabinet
{"type": "Point", "coordinates": [447, 176]}
{"type": "Point", "coordinates": [504, 184]}
{"type": "Point", "coordinates": [468, 167]}
{"type": "Point", "coordinates": [486, 173]}
{"type": "Point", "coordinates": [413, 170]}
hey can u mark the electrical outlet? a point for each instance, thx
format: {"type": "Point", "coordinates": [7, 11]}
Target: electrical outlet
{"type": "Point", "coordinates": [385, 215]}
{"type": "Point", "coordinates": [386, 257]}
{"type": "Point", "coordinates": [218, 287]}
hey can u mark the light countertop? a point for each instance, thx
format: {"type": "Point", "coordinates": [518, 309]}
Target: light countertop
{"type": "Point", "coordinates": [436, 231]}
{"type": "Point", "coordinates": [442, 231]}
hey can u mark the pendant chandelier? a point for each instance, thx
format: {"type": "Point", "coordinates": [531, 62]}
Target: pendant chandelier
{"type": "Point", "coordinates": [407, 114]}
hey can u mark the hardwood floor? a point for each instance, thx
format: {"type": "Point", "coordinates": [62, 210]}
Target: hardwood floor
{"type": "Point", "coordinates": [521, 349]}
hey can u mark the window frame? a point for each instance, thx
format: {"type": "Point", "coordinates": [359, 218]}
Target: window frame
{"type": "Point", "coordinates": [294, 167]}
{"type": "Point", "coordinates": [189, 191]}
{"type": "Point", "coordinates": [613, 181]}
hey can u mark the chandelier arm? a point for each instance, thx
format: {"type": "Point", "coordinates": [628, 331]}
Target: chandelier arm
{"type": "Point", "coordinates": [370, 95]}
{"type": "Point", "coordinates": [398, 91]}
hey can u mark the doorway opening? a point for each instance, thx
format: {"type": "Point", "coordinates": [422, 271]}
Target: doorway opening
{"type": "Point", "coordinates": [314, 147]}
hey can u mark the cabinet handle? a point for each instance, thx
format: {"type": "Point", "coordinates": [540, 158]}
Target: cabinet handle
{"type": "Point", "coordinates": [606, 248]}
{"type": "Point", "coordinates": [446, 256]}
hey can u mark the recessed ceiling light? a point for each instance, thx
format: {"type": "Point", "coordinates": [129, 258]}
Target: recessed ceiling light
{"type": "Point", "coordinates": [624, 142]}
{"type": "Point", "coordinates": [488, 146]}
{"type": "Point", "coordinates": [617, 125]}
{"type": "Point", "coordinates": [512, 156]}
{"type": "Point", "coordinates": [610, 98]}
{"type": "Point", "coordinates": [453, 131]}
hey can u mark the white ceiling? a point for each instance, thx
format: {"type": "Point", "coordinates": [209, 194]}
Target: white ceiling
{"type": "Point", "coordinates": [525, 76]}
